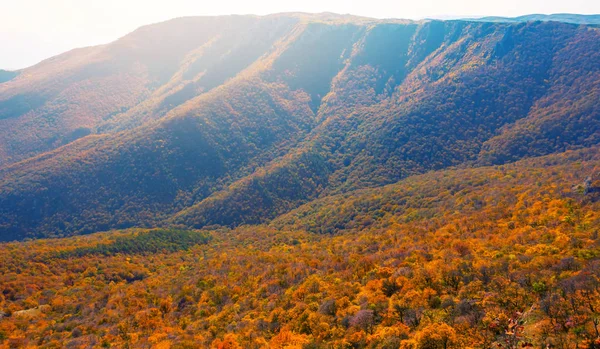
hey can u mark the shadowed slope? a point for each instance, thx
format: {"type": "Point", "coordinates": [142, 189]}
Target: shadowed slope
{"type": "Point", "coordinates": [459, 84]}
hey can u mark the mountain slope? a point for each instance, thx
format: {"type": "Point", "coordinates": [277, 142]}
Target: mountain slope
{"type": "Point", "coordinates": [149, 71]}
{"type": "Point", "coordinates": [502, 194]}
{"type": "Point", "coordinates": [567, 114]}
{"type": "Point", "coordinates": [327, 105]}
{"type": "Point", "coordinates": [469, 87]}
{"type": "Point", "coordinates": [115, 180]}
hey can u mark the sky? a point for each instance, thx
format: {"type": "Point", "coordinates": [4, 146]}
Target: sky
{"type": "Point", "coordinates": [33, 30]}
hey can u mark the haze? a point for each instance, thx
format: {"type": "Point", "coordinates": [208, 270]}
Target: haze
{"type": "Point", "coordinates": [32, 30]}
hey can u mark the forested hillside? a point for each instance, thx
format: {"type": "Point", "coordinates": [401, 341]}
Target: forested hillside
{"type": "Point", "coordinates": [241, 119]}
{"type": "Point", "coordinates": [306, 181]}
{"type": "Point", "coordinates": [492, 257]}
{"type": "Point", "coordinates": [137, 78]}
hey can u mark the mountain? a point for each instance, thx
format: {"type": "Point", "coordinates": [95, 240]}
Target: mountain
{"type": "Point", "coordinates": [146, 72]}
{"type": "Point", "coordinates": [305, 181]}
{"type": "Point", "coordinates": [6, 75]}
{"type": "Point", "coordinates": [276, 111]}
{"type": "Point", "coordinates": [559, 17]}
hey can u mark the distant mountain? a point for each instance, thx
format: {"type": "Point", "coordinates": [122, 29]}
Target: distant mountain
{"type": "Point", "coordinates": [6, 75]}
{"type": "Point", "coordinates": [560, 17]}
{"type": "Point", "coordinates": [237, 120]}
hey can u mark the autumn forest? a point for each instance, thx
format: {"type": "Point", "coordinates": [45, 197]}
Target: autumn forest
{"type": "Point", "coordinates": [306, 181]}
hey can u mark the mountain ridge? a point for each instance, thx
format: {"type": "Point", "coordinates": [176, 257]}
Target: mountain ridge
{"type": "Point", "coordinates": [558, 17]}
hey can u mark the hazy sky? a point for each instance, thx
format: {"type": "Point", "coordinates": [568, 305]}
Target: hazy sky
{"type": "Point", "coordinates": [32, 30]}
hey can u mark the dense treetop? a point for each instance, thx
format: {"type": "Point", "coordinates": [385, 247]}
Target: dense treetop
{"type": "Point", "coordinates": [495, 257]}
